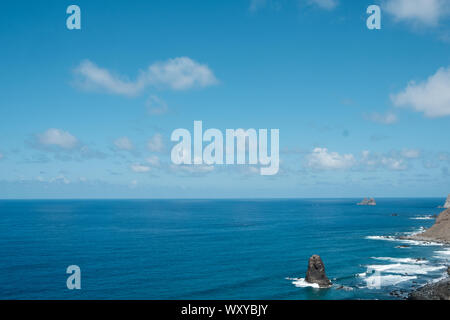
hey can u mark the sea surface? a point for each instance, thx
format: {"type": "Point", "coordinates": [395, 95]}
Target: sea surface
{"type": "Point", "coordinates": [215, 249]}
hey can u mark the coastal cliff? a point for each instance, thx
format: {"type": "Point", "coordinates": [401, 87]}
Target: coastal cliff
{"type": "Point", "coordinates": [439, 232]}
{"type": "Point", "coordinates": [447, 203]}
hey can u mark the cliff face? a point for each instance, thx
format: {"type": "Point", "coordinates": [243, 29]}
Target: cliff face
{"type": "Point", "coordinates": [447, 203]}
{"type": "Point", "coordinates": [440, 231]}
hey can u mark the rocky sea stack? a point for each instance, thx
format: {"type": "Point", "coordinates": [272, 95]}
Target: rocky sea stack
{"type": "Point", "coordinates": [316, 272]}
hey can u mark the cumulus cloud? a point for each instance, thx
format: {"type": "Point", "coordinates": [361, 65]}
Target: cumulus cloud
{"type": "Point", "coordinates": [139, 168]}
{"type": "Point", "coordinates": [124, 143]}
{"type": "Point", "coordinates": [180, 73]}
{"type": "Point", "coordinates": [394, 160]}
{"type": "Point", "coordinates": [387, 118]}
{"type": "Point", "coordinates": [63, 145]}
{"type": "Point", "coordinates": [92, 77]}
{"type": "Point", "coordinates": [57, 138]}
{"type": "Point", "coordinates": [432, 97]}
{"type": "Point", "coordinates": [424, 12]}
{"type": "Point", "coordinates": [156, 143]}
{"type": "Point", "coordinates": [321, 158]}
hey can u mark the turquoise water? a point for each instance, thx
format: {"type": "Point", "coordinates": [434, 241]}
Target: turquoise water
{"type": "Point", "coordinates": [213, 249]}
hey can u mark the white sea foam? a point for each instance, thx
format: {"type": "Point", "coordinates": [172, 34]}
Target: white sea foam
{"type": "Point", "coordinates": [442, 254]}
{"type": "Point", "coordinates": [302, 283]}
{"type": "Point", "coordinates": [386, 280]}
{"type": "Point", "coordinates": [405, 241]}
{"type": "Point", "coordinates": [413, 233]}
{"type": "Point", "coordinates": [422, 218]}
{"type": "Point", "coordinates": [405, 269]}
{"type": "Point", "coordinates": [401, 260]}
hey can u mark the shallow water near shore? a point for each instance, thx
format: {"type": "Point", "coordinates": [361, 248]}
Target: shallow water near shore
{"type": "Point", "coordinates": [215, 249]}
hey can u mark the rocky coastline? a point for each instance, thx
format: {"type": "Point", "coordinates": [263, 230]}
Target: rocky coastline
{"type": "Point", "coordinates": [433, 291]}
{"type": "Point", "coordinates": [439, 232]}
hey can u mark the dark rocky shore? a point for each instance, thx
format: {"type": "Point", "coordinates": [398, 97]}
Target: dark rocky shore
{"type": "Point", "coordinates": [433, 291]}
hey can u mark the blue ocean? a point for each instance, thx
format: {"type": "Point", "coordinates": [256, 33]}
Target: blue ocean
{"type": "Point", "coordinates": [215, 249]}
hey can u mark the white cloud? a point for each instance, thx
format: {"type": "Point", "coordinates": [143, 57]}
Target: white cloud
{"type": "Point", "coordinates": [156, 143]}
{"type": "Point", "coordinates": [124, 143]}
{"type": "Point", "coordinates": [178, 74]}
{"type": "Point", "coordinates": [1, 156]}
{"type": "Point", "coordinates": [321, 158]}
{"type": "Point", "coordinates": [58, 138]}
{"type": "Point", "coordinates": [139, 168]}
{"type": "Point", "coordinates": [393, 163]}
{"type": "Point", "coordinates": [325, 4]}
{"type": "Point", "coordinates": [424, 12]}
{"type": "Point", "coordinates": [411, 153]}
{"type": "Point", "coordinates": [394, 160]}
{"type": "Point", "coordinates": [432, 97]}
{"type": "Point", "coordinates": [387, 118]}
{"type": "Point", "coordinates": [93, 77]}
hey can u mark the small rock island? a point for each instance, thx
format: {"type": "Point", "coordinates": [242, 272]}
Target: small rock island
{"type": "Point", "coordinates": [367, 202]}
{"type": "Point", "coordinates": [316, 272]}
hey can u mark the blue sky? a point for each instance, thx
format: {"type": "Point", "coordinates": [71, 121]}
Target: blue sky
{"type": "Point", "coordinates": [88, 113]}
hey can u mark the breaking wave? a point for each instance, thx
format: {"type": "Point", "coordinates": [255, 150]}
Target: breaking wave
{"type": "Point", "coordinates": [302, 283]}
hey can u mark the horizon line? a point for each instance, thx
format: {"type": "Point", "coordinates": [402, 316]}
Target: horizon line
{"type": "Point", "coordinates": [230, 198]}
